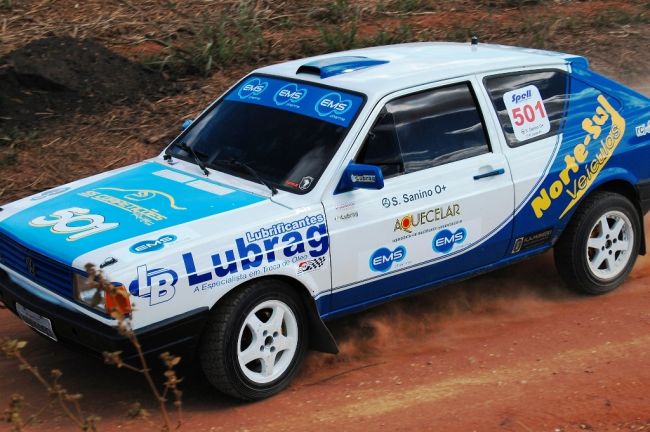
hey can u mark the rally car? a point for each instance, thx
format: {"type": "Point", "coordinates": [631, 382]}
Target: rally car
{"type": "Point", "coordinates": [318, 187]}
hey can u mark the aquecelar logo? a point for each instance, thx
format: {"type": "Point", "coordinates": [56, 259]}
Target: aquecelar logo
{"type": "Point", "coordinates": [158, 285]}
{"type": "Point", "coordinates": [332, 103]}
{"type": "Point", "coordinates": [290, 93]}
{"type": "Point", "coordinates": [251, 88]}
{"type": "Point", "coordinates": [444, 241]}
{"type": "Point", "coordinates": [410, 221]}
{"type": "Point", "coordinates": [152, 245]}
{"type": "Point", "coordinates": [382, 259]}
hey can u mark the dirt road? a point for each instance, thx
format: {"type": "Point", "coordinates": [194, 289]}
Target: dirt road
{"type": "Point", "coordinates": [511, 350]}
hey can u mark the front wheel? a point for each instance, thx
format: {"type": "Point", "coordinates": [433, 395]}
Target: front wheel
{"type": "Point", "coordinates": [600, 245]}
{"type": "Point", "coordinates": [255, 341]}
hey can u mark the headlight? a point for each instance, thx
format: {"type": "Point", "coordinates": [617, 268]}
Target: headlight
{"type": "Point", "coordinates": [117, 298]}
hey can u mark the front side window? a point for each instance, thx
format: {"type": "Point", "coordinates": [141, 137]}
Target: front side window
{"type": "Point", "coordinates": [530, 105]}
{"type": "Point", "coordinates": [286, 131]}
{"type": "Point", "coordinates": [426, 129]}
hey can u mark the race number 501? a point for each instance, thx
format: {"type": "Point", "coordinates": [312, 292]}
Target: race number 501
{"type": "Point", "coordinates": [527, 113]}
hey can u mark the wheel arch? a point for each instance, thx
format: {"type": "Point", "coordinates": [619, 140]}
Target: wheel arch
{"type": "Point", "coordinates": [320, 337]}
{"type": "Point", "coordinates": [629, 190]}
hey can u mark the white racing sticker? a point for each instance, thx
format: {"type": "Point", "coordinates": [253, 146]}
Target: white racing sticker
{"type": "Point", "coordinates": [527, 113]}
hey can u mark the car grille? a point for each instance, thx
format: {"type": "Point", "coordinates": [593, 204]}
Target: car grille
{"type": "Point", "coordinates": [36, 267]}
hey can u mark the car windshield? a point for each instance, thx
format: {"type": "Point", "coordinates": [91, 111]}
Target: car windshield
{"type": "Point", "coordinates": [284, 131]}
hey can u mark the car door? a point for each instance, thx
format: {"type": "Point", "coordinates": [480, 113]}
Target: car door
{"type": "Point", "coordinates": [531, 109]}
{"type": "Point", "coordinates": [445, 208]}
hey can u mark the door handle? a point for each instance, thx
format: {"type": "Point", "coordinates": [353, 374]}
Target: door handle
{"type": "Point", "coordinates": [496, 172]}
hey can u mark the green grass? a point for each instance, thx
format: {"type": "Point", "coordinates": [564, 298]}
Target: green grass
{"type": "Point", "coordinates": [234, 38]}
{"type": "Point", "coordinates": [401, 34]}
{"type": "Point", "coordinates": [334, 12]}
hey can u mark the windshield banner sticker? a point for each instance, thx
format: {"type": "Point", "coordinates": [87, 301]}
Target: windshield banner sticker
{"type": "Point", "coordinates": [336, 107]}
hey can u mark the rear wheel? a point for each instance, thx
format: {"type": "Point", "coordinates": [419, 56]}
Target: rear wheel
{"type": "Point", "coordinates": [255, 341]}
{"type": "Point", "coordinates": [599, 247]}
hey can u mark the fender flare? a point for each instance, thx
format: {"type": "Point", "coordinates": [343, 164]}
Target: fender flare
{"type": "Point", "coordinates": [637, 192]}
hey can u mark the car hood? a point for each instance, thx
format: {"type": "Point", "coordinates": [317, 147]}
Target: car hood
{"type": "Point", "coordinates": [73, 220]}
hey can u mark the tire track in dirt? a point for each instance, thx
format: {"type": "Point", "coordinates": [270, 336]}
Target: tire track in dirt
{"type": "Point", "coordinates": [371, 404]}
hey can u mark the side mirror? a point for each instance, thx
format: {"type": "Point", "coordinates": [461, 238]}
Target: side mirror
{"type": "Point", "coordinates": [186, 124]}
{"type": "Point", "coordinates": [359, 176]}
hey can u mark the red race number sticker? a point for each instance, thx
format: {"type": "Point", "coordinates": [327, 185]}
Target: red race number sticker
{"type": "Point", "coordinates": [527, 113]}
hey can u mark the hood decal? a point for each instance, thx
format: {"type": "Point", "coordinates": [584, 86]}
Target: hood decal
{"type": "Point", "coordinates": [149, 197]}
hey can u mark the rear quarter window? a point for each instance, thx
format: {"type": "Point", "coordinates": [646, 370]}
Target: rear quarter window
{"type": "Point", "coordinates": [530, 106]}
{"type": "Point", "coordinates": [560, 94]}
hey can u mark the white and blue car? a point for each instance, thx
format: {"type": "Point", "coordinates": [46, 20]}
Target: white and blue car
{"type": "Point", "coordinates": [318, 187]}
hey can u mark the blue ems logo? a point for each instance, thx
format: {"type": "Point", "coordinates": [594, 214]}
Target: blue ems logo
{"type": "Point", "coordinates": [253, 87]}
{"type": "Point", "coordinates": [152, 245]}
{"type": "Point", "coordinates": [383, 258]}
{"type": "Point", "coordinates": [158, 285]}
{"type": "Point", "coordinates": [289, 93]}
{"type": "Point", "coordinates": [332, 103]}
{"type": "Point", "coordinates": [445, 240]}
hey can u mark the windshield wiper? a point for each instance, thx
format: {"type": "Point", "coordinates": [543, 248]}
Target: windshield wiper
{"type": "Point", "coordinates": [250, 169]}
{"type": "Point", "coordinates": [183, 146]}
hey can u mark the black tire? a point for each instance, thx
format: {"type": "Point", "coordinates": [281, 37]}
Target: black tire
{"type": "Point", "coordinates": [578, 264]}
{"type": "Point", "coordinates": [220, 345]}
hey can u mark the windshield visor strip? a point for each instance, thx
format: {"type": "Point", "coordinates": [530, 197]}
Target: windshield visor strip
{"type": "Point", "coordinates": [321, 103]}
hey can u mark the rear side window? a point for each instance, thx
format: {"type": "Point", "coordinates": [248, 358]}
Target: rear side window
{"type": "Point", "coordinates": [530, 106]}
{"type": "Point", "coordinates": [424, 130]}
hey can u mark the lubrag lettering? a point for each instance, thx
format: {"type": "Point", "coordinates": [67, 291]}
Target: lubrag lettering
{"type": "Point", "coordinates": [259, 250]}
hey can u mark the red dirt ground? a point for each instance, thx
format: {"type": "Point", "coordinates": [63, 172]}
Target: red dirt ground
{"type": "Point", "coordinates": [509, 351]}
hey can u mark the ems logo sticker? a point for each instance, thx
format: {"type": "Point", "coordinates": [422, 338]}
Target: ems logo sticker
{"type": "Point", "coordinates": [290, 93]}
{"type": "Point", "coordinates": [252, 88]}
{"type": "Point", "coordinates": [152, 245]}
{"type": "Point", "coordinates": [383, 258]}
{"type": "Point", "coordinates": [332, 103]}
{"type": "Point", "coordinates": [445, 240]}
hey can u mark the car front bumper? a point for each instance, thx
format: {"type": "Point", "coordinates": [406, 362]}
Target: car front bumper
{"type": "Point", "coordinates": [77, 329]}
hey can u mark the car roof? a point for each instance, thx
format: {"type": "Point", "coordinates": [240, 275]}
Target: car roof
{"type": "Point", "coordinates": [412, 64]}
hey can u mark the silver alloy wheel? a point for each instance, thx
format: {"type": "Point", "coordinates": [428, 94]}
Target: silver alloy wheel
{"type": "Point", "coordinates": [609, 247]}
{"type": "Point", "coordinates": [267, 341]}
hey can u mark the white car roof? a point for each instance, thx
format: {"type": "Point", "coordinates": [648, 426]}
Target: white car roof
{"type": "Point", "coordinates": [417, 63]}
